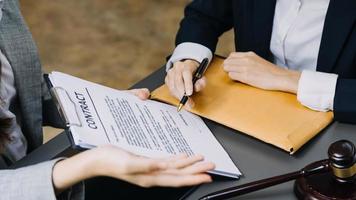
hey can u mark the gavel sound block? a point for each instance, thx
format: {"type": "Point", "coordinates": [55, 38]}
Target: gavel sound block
{"type": "Point", "coordinates": [330, 179]}
{"type": "Point", "coordinates": [339, 182]}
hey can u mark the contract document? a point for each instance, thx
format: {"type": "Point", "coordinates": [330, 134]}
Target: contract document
{"type": "Point", "coordinates": [97, 115]}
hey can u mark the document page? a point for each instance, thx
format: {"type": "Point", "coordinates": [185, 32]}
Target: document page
{"type": "Point", "coordinates": [99, 115]}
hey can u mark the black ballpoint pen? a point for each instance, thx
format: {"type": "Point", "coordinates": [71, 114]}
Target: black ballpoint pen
{"type": "Point", "coordinates": [197, 75]}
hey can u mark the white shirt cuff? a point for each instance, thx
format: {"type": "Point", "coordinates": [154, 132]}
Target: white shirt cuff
{"type": "Point", "coordinates": [316, 90]}
{"type": "Point", "coordinates": [189, 50]}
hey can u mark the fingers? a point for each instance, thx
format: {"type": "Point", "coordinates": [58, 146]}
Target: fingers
{"type": "Point", "coordinates": [200, 84]}
{"type": "Point", "coordinates": [179, 79]}
{"type": "Point", "coordinates": [176, 171]}
{"type": "Point", "coordinates": [236, 64]}
{"type": "Point", "coordinates": [140, 164]}
{"type": "Point", "coordinates": [238, 76]}
{"type": "Point", "coordinates": [169, 81]}
{"type": "Point", "coordinates": [142, 93]}
{"type": "Point", "coordinates": [197, 168]}
{"type": "Point", "coordinates": [184, 162]}
{"type": "Point", "coordinates": [167, 180]}
{"type": "Point", "coordinates": [145, 165]}
{"type": "Point", "coordinates": [180, 181]}
{"type": "Point", "coordinates": [241, 54]}
{"type": "Point", "coordinates": [239, 61]}
{"type": "Point", "coordinates": [175, 157]}
{"type": "Point", "coordinates": [188, 84]}
{"type": "Point", "coordinates": [179, 83]}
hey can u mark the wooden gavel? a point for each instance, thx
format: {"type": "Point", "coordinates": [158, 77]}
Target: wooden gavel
{"type": "Point", "coordinates": [333, 178]}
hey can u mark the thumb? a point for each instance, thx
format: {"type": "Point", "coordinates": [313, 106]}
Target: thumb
{"type": "Point", "coordinates": [142, 93]}
{"type": "Point", "coordinates": [200, 84]}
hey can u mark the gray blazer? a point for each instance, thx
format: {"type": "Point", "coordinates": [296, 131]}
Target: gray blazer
{"type": "Point", "coordinates": [16, 42]}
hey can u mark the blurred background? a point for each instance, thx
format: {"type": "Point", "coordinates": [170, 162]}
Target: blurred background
{"type": "Point", "coordinates": [112, 42]}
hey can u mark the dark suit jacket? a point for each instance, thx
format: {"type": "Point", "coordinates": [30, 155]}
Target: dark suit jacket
{"type": "Point", "coordinates": [252, 20]}
{"type": "Point", "coordinates": [34, 101]}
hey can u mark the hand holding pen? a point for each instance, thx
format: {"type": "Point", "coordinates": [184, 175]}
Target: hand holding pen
{"type": "Point", "coordinates": [197, 75]}
{"type": "Point", "coordinates": [179, 80]}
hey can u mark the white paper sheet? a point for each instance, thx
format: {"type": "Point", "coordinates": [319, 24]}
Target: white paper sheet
{"type": "Point", "coordinates": [99, 115]}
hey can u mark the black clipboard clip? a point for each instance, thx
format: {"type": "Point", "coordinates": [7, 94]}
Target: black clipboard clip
{"type": "Point", "coordinates": [55, 93]}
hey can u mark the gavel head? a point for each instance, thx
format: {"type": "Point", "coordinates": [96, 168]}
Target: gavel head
{"type": "Point", "coordinates": [342, 157]}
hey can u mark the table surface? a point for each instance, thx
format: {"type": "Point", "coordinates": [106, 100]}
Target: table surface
{"type": "Point", "coordinates": [258, 160]}
{"type": "Point", "coordinates": [255, 159]}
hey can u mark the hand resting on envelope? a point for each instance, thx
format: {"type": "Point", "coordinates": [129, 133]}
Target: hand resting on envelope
{"type": "Point", "coordinates": [251, 69]}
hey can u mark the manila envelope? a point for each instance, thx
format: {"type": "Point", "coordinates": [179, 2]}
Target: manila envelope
{"type": "Point", "coordinates": [273, 117]}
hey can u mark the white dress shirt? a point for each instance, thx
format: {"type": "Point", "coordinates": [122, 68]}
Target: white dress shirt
{"type": "Point", "coordinates": [295, 43]}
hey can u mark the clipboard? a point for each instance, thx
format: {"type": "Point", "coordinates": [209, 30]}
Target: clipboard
{"type": "Point", "coordinates": [68, 123]}
{"type": "Point", "coordinates": [146, 128]}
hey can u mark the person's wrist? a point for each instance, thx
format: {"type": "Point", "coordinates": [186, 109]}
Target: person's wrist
{"type": "Point", "coordinates": [87, 163]}
{"type": "Point", "coordinates": [102, 164]}
{"type": "Point", "coordinates": [290, 80]}
{"type": "Point", "coordinates": [72, 170]}
{"type": "Point", "coordinates": [95, 163]}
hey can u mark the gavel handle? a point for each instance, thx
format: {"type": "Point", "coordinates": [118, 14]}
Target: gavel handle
{"type": "Point", "coordinates": [322, 166]}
